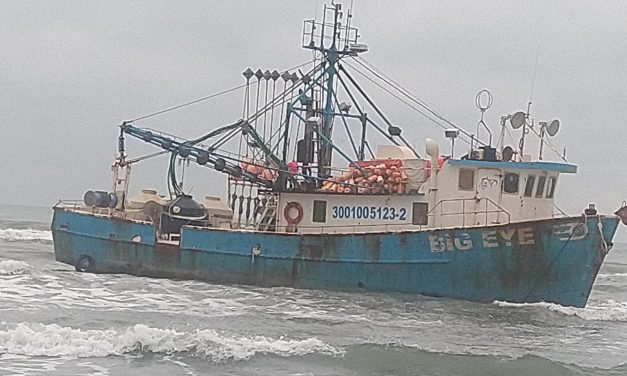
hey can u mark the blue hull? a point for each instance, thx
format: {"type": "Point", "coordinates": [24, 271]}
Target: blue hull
{"type": "Point", "coordinates": [552, 260]}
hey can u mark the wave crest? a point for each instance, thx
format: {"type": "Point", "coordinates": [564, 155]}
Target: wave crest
{"type": "Point", "coordinates": [26, 235]}
{"type": "Point", "coordinates": [34, 339]}
{"type": "Point", "coordinates": [608, 310]}
{"type": "Point", "coordinates": [12, 267]}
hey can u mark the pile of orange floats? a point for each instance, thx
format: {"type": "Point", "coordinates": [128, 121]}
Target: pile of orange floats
{"type": "Point", "coordinates": [258, 169]}
{"type": "Point", "coordinates": [374, 177]}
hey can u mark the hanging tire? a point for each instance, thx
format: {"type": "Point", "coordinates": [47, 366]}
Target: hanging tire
{"type": "Point", "coordinates": [84, 264]}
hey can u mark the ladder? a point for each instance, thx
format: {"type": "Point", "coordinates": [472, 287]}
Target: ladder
{"type": "Point", "coordinates": [268, 219]}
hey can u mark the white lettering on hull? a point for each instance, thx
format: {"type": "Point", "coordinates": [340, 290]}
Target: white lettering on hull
{"type": "Point", "coordinates": [506, 237]}
{"type": "Point", "coordinates": [570, 231]}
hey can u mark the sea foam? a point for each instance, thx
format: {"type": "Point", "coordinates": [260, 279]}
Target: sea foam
{"type": "Point", "coordinates": [12, 267]}
{"type": "Point", "coordinates": [35, 339]}
{"type": "Point", "coordinates": [606, 310]}
{"type": "Point", "coordinates": [26, 235]}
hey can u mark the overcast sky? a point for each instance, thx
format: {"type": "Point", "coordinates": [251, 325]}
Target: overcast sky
{"type": "Point", "coordinates": [71, 71]}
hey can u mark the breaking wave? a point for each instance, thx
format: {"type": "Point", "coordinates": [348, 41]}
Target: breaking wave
{"type": "Point", "coordinates": [26, 235]}
{"type": "Point", "coordinates": [611, 277]}
{"type": "Point", "coordinates": [608, 310]}
{"type": "Point", "coordinates": [34, 339]}
{"type": "Point", "coordinates": [12, 267]}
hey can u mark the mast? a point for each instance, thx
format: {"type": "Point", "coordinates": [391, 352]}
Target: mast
{"type": "Point", "coordinates": [332, 40]}
{"type": "Point", "coordinates": [325, 154]}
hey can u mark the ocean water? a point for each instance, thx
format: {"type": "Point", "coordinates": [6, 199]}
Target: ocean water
{"type": "Point", "coordinates": [55, 321]}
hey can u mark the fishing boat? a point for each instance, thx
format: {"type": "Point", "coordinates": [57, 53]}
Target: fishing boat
{"type": "Point", "coordinates": [305, 210]}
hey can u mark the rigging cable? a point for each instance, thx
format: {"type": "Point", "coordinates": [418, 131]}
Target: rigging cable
{"type": "Point", "coordinates": [258, 74]}
{"type": "Point", "coordinates": [397, 97]}
{"type": "Point", "coordinates": [535, 70]}
{"type": "Point", "coordinates": [371, 68]}
{"type": "Point", "coordinates": [274, 78]}
{"type": "Point", "coordinates": [188, 103]}
{"type": "Point", "coordinates": [281, 99]}
{"type": "Point", "coordinates": [230, 130]}
{"type": "Point", "coordinates": [203, 98]}
{"type": "Point", "coordinates": [284, 78]}
{"type": "Point", "coordinates": [245, 111]}
{"type": "Point", "coordinates": [411, 97]}
{"type": "Point", "coordinates": [266, 77]}
{"type": "Point", "coordinates": [348, 132]}
{"type": "Point", "coordinates": [547, 142]}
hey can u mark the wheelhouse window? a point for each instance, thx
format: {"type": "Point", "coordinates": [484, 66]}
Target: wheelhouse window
{"type": "Point", "coordinates": [531, 181]}
{"type": "Point", "coordinates": [540, 188]}
{"type": "Point", "coordinates": [550, 189]}
{"type": "Point", "coordinates": [466, 179]}
{"type": "Point", "coordinates": [420, 213]}
{"type": "Point", "coordinates": [510, 182]}
{"type": "Point", "coordinates": [319, 211]}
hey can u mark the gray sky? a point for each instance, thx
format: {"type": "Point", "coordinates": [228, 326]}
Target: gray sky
{"type": "Point", "coordinates": [70, 71]}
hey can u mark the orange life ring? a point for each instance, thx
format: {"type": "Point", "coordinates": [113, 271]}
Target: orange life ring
{"type": "Point", "coordinates": [288, 212]}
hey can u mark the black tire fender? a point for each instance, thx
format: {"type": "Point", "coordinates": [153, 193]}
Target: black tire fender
{"type": "Point", "coordinates": [84, 264]}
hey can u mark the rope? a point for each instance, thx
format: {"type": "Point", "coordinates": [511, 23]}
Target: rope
{"type": "Point", "coordinates": [297, 134]}
{"type": "Point", "coordinates": [548, 268]}
{"type": "Point", "coordinates": [265, 114]}
{"type": "Point", "coordinates": [397, 97]}
{"type": "Point", "coordinates": [272, 111]}
{"type": "Point", "coordinates": [188, 103]}
{"type": "Point", "coordinates": [245, 112]}
{"type": "Point", "coordinates": [281, 98]}
{"type": "Point", "coordinates": [282, 107]}
{"type": "Point", "coordinates": [547, 142]}
{"type": "Point", "coordinates": [408, 95]}
{"type": "Point", "coordinates": [603, 242]}
{"type": "Point", "coordinates": [145, 157]}
{"type": "Point", "coordinates": [254, 154]}
{"type": "Point", "coordinates": [361, 61]}
{"type": "Point", "coordinates": [372, 69]}
{"type": "Point", "coordinates": [560, 210]}
{"type": "Point", "coordinates": [202, 99]}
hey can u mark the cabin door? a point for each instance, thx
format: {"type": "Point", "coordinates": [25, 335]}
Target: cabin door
{"type": "Point", "coordinates": [487, 203]}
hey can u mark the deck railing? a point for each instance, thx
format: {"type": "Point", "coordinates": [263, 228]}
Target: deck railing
{"type": "Point", "coordinates": [79, 207]}
{"type": "Point", "coordinates": [469, 207]}
{"type": "Point", "coordinates": [476, 203]}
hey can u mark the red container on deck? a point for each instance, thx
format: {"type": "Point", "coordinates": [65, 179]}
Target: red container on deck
{"type": "Point", "coordinates": [441, 161]}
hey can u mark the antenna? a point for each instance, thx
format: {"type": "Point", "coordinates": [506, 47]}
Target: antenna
{"type": "Point", "coordinates": [535, 70]}
{"type": "Point", "coordinates": [452, 133]}
{"type": "Point", "coordinates": [553, 127]}
{"type": "Point", "coordinates": [483, 101]}
{"type": "Point", "coordinates": [547, 128]}
{"type": "Point", "coordinates": [518, 119]}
